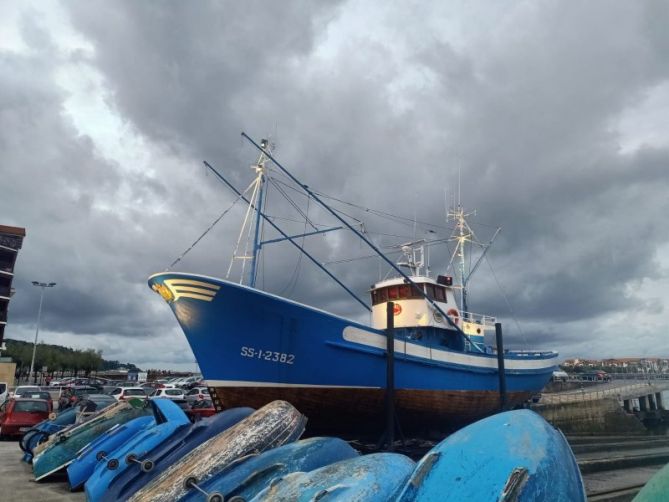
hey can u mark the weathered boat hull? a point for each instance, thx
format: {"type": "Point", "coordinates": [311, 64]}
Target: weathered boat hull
{"type": "Point", "coordinates": [251, 476]}
{"type": "Point", "coordinates": [370, 478]}
{"type": "Point", "coordinates": [362, 410]}
{"type": "Point", "coordinates": [169, 451]}
{"type": "Point", "coordinates": [90, 457]}
{"type": "Point", "coordinates": [515, 455]}
{"type": "Point", "coordinates": [169, 419]}
{"type": "Point", "coordinates": [273, 425]}
{"type": "Point", "coordinates": [62, 448]}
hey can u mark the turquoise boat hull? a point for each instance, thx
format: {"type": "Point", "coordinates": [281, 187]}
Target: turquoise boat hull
{"type": "Point", "coordinates": [90, 457]}
{"type": "Point", "coordinates": [253, 474]}
{"type": "Point", "coordinates": [370, 478]}
{"type": "Point", "coordinates": [656, 489]}
{"type": "Point", "coordinates": [62, 448]}
{"type": "Point", "coordinates": [169, 419]}
{"type": "Point", "coordinates": [515, 455]}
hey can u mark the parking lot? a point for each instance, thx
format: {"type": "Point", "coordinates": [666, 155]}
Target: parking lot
{"type": "Point", "coordinates": [18, 484]}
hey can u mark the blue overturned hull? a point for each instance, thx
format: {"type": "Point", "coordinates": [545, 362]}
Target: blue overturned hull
{"type": "Point", "coordinates": [169, 418]}
{"type": "Point", "coordinates": [273, 425]}
{"type": "Point", "coordinates": [182, 442]}
{"type": "Point", "coordinates": [372, 478]}
{"type": "Point", "coordinates": [90, 457]}
{"type": "Point", "coordinates": [515, 455]}
{"type": "Point", "coordinates": [275, 348]}
{"type": "Point", "coordinates": [251, 476]}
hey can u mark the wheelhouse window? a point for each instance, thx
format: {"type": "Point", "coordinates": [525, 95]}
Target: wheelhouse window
{"type": "Point", "coordinates": [407, 291]}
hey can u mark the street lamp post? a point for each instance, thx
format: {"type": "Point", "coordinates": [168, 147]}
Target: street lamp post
{"type": "Point", "coordinates": [42, 285]}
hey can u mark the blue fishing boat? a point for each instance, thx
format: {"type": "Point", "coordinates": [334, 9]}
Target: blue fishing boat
{"type": "Point", "coordinates": [169, 418]}
{"type": "Point", "coordinates": [62, 448]}
{"type": "Point", "coordinates": [250, 476]}
{"type": "Point", "coordinates": [515, 455]}
{"type": "Point", "coordinates": [169, 451]}
{"type": "Point", "coordinates": [273, 425]}
{"type": "Point", "coordinates": [370, 478]}
{"type": "Point", "coordinates": [334, 369]}
{"type": "Point", "coordinates": [97, 451]}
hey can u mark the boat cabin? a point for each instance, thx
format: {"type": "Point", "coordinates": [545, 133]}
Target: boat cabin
{"type": "Point", "coordinates": [416, 319]}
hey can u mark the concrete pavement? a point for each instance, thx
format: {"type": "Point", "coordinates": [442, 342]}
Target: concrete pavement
{"type": "Point", "coordinates": [17, 483]}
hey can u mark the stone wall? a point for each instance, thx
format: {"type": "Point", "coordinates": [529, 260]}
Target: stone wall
{"type": "Point", "coordinates": [601, 416]}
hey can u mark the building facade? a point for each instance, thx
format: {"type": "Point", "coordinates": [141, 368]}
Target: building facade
{"type": "Point", "coordinates": [11, 240]}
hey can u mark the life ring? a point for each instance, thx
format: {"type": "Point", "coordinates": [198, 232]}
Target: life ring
{"type": "Point", "coordinates": [453, 314]}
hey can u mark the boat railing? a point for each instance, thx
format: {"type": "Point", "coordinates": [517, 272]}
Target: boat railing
{"type": "Point", "coordinates": [485, 320]}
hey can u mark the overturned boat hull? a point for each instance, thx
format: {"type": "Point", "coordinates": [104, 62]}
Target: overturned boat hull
{"type": "Point", "coordinates": [515, 455]}
{"type": "Point", "coordinates": [254, 474]}
{"type": "Point", "coordinates": [182, 442]}
{"type": "Point", "coordinates": [273, 425]}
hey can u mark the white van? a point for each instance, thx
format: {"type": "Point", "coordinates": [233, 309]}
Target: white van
{"type": "Point", "coordinates": [560, 376]}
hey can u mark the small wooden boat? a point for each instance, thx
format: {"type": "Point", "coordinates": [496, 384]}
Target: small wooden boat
{"type": "Point", "coordinates": [657, 488]}
{"type": "Point", "coordinates": [62, 447]}
{"type": "Point", "coordinates": [515, 455]}
{"type": "Point", "coordinates": [253, 474]}
{"type": "Point", "coordinates": [97, 451]}
{"type": "Point", "coordinates": [169, 418]}
{"type": "Point", "coordinates": [169, 451]}
{"type": "Point", "coordinates": [369, 478]}
{"type": "Point", "coordinates": [274, 424]}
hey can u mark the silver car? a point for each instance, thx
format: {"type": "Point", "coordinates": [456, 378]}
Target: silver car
{"type": "Point", "coordinates": [197, 394]}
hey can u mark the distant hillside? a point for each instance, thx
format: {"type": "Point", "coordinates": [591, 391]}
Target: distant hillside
{"type": "Point", "coordinates": [57, 358]}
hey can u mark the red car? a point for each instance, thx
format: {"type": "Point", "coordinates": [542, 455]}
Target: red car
{"type": "Point", "coordinates": [19, 415]}
{"type": "Point", "coordinates": [201, 409]}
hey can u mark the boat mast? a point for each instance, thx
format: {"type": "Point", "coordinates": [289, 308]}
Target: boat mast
{"type": "Point", "coordinates": [260, 170]}
{"type": "Point", "coordinates": [461, 235]}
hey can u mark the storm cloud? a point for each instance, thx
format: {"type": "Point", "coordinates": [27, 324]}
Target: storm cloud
{"type": "Point", "coordinates": [547, 112]}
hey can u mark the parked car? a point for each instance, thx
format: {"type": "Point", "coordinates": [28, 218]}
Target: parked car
{"type": "Point", "coordinates": [122, 393]}
{"type": "Point", "coordinates": [201, 409]}
{"type": "Point", "coordinates": [197, 394]}
{"type": "Point", "coordinates": [69, 396]}
{"type": "Point", "coordinates": [20, 415]}
{"type": "Point", "coordinates": [188, 382]}
{"type": "Point", "coordinates": [22, 390]}
{"type": "Point", "coordinates": [4, 392]}
{"type": "Point", "coordinates": [173, 394]}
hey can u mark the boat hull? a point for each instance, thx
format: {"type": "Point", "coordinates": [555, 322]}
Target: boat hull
{"type": "Point", "coordinates": [515, 455]}
{"type": "Point", "coordinates": [362, 410]}
{"type": "Point", "coordinates": [271, 426]}
{"type": "Point", "coordinates": [254, 347]}
{"type": "Point", "coordinates": [169, 451]}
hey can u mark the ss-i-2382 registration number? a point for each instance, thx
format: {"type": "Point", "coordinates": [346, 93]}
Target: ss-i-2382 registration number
{"type": "Point", "coordinates": [268, 355]}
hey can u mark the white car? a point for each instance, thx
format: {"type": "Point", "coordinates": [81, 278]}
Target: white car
{"type": "Point", "coordinates": [197, 394]}
{"type": "Point", "coordinates": [123, 393]}
{"type": "Point", "coordinates": [168, 394]}
{"type": "Point", "coordinates": [24, 390]}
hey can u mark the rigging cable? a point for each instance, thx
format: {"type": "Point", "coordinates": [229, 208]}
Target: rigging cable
{"type": "Point", "coordinates": [201, 236]}
{"type": "Point", "coordinates": [508, 304]}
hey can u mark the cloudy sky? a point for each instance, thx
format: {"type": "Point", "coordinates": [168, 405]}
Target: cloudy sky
{"type": "Point", "coordinates": [553, 114]}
